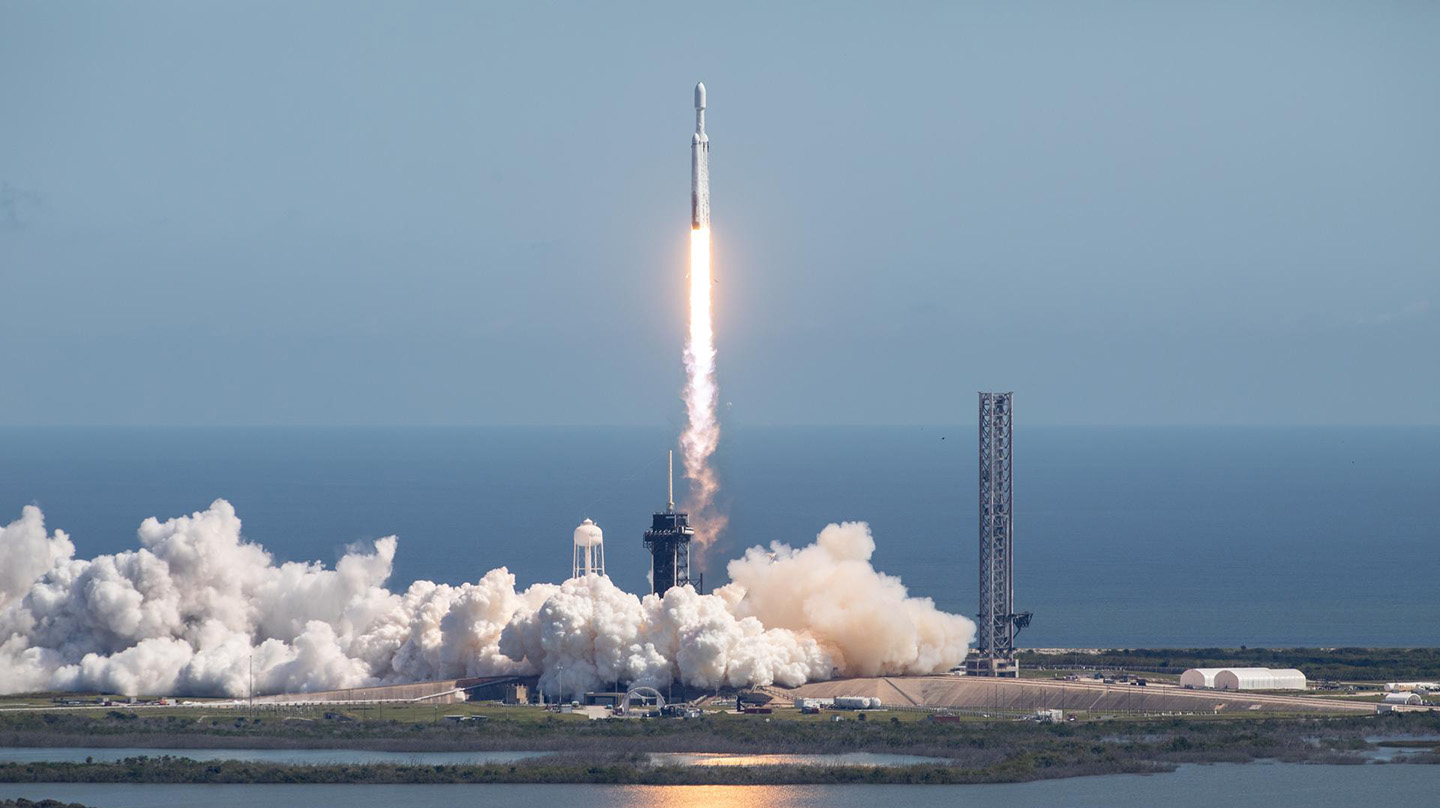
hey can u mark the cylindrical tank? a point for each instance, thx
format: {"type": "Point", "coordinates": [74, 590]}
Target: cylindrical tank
{"type": "Point", "coordinates": [588, 534]}
{"type": "Point", "coordinates": [852, 702]}
{"type": "Point", "coordinates": [589, 552]}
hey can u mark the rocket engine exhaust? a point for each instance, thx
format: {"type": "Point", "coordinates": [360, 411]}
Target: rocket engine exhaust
{"type": "Point", "coordinates": [702, 428]}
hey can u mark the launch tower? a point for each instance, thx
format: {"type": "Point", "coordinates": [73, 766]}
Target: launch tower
{"type": "Point", "coordinates": [668, 541]}
{"type": "Point", "coordinates": [994, 653]}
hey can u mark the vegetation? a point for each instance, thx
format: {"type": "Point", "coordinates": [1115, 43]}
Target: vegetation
{"type": "Point", "coordinates": [1319, 664]}
{"type": "Point", "coordinates": [23, 803]}
{"type": "Point", "coordinates": [978, 751]}
{"type": "Point", "coordinates": [627, 769]}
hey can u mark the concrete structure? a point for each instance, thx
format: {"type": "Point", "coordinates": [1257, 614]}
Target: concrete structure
{"type": "Point", "coordinates": [444, 691]}
{"type": "Point", "coordinates": [603, 699]}
{"type": "Point", "coordinates": [589, 555]}
{"type": "Point", "coordinates": [1259, 679]}
{"type": "Point", "coordinates": [1022, 697]}
{"type": "Point", "coordinates": [998, 622]}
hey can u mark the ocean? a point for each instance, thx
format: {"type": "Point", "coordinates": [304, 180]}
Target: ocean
{"type": "Point", "coordinates": [1125, 537]}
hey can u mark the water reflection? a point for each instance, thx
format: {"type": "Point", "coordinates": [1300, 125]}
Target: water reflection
{"type": "Point", "coordinates": [720, 796]}
{"type": "Point", "coordinates": [845, 759]}
{"type": "Point", "coordinates": [1234, 786]}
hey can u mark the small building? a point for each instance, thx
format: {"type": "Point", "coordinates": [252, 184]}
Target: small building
{"type": "Point", "coordinates": [604, 699]}
{"type": "Point", "coordinates": [1401, 697]}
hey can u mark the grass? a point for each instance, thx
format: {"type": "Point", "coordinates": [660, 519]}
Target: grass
{"type": "Point", "coordinates": [530, 728]}
{"type": "Point", "coordinates": [613, 769]}
{"type": "Point", "coordinates": [979, 752]}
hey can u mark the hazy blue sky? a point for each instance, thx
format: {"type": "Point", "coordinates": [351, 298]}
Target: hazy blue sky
{"type": "Point", "coordinates": [477, 213]}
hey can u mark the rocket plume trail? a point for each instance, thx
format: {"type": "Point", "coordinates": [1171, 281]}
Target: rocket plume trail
{"type": "Point", "coordinates": [702, 429]}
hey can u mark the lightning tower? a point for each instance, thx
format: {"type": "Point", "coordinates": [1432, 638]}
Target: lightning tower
{"type": "Point", "coordinates": [994, 653]}
{"type": "Point", "coordinates": [668, 541]}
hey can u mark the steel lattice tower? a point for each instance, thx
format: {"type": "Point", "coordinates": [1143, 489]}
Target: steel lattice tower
{"type": "Point", "coordinates": [998, 622]}
{"type": "Point", "coordinates": [668, 541]}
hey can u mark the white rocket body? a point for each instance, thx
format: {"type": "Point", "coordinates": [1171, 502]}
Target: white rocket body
{"type": "Point", "coordinates": [700, 167]}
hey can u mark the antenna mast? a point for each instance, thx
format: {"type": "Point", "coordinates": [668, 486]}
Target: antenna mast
{"type": "Point", "coordinates": [670, 475]}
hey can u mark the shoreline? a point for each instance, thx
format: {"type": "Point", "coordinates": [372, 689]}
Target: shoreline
{"type": "Point", "coordinates": [574, 771]}
{"type": "Point", "coordinates": [978, 754]}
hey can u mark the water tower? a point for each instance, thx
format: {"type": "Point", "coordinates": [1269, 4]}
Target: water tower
{"type": "Point", "coordinates": [589, 550]}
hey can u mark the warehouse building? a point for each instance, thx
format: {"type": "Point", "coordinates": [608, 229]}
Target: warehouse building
{"type": "Point", "coordinates": [1243, 679]}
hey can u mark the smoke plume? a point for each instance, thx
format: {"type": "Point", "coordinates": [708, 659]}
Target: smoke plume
{"type": "Point", "coordinates": [702, 427]}
{"type": "Point", "coordinates": [190, 610]}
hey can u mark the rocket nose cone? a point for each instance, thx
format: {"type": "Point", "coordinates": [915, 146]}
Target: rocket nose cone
{"type": "Point", "coordinates": [700, 95]}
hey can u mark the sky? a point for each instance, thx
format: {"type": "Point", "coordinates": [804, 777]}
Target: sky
{"type": "Point", "coordinates": [477, 213]}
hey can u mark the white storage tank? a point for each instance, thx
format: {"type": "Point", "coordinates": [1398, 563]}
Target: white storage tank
{"type": "Point", "coordinates": [1393, 687]}
{"type": "Point", "coordinates": [852, 702]}
{"type": "Point", "coordinates": [1403, 698]}
{"type": "Point", "coordinates": [1259, 679]}
{"type": "Point", "coordinates": [589, 556]}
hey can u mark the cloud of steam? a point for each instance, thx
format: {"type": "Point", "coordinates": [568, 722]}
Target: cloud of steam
{"type": "Point", "coordinates": [188, 612]}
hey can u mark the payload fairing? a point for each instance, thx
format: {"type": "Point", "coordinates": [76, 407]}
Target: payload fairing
{"type": "Point", "coordinates": [700, 167]}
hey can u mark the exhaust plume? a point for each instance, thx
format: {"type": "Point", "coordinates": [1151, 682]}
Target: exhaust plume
{"type": "Point", "coordinates": [702, 427]}
{"type": "Point", "coordinates": [186, 612]}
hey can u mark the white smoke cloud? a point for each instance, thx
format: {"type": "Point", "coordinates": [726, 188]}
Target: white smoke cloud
{"type": "Point", "coordinates": [193, 608]}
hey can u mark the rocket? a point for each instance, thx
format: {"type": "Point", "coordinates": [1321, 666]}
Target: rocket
{"type": "Point", "coordinates": [700, 166]}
